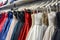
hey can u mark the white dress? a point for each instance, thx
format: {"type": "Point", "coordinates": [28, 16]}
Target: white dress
{"type": "Point", "coordinates": [50, 30]}
{"type": "Point", "coordinates": [36, 32]}
{"type": "Point", "coordinates": [11, 28]}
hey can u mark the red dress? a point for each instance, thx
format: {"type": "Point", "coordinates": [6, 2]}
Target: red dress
{"type": "Point", "coordinates": [26, 26]}
{"type": "Point", "coordinates": [3, 18]}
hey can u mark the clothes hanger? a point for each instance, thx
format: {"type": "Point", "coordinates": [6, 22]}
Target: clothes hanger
{"type": "Point", "coordinates": [35, 6]}
{"type": "Point", "coordinates": [38, 7]}
{"type": "Point", "coordinates": [49, 3]}
{"type": "Point", "coordinates": [44, 4]}
{"type": "Point", "coordinates": [15, 13]}
{"type": "Point", "coordinates": [54, 3]}
{"type": "Point", "coordinates": [48, 6]}
{"type": "Point", "coordinates": [28, 11]}
{"type": "Point", "coordinates": [58, 6]}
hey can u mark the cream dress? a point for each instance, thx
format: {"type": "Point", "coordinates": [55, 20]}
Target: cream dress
{"type": "Point", "coordinates": [50, 30]}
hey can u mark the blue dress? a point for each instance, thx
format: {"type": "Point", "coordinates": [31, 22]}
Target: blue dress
{"type": "Point", "coordinates": [19, 25]}
{"type": "Point", "coordinates": [5, 30]}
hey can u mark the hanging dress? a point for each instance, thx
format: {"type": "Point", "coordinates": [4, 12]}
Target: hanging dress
{"type": "Point", "coordinates": [36, 32]}
{"type": "Point", "coordinates": [3, 18]}
{"type": "Point", "coordinates": [56, 35]}
{"type": "Point", "coordinates": [6, 26]}
{"type": "Point", "coordinates": [18, 26]}
{"type": "Point", "coordinates": [44, 23]}
{"type": "Point", "coordinates": [14, 21]}
{"type": "Point", "coordinates": [33, 22]}
{"type": "Point", "coordinates": [26, 26]}
{"type": "Point", "coordinates": [50, 30]}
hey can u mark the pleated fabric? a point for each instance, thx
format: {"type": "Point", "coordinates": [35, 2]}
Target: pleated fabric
{"type": "Point", "coordinates": [50, 30]}
{"type": "Point", "coordinates": [33, 22]}
{"type": "Point", "coordinates": [10, 32]}
{"type": "Point", "coordinates": [6, 26]}
{"type": "Point", "coordinates": [56, 35]}
{"type": "Point", "coordinates": [26, 26]}
{"type": "Point", "coordinates": [19, 25]}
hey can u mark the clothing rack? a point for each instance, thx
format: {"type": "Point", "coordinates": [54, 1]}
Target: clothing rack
{"type": "Point", "coordinates": [18, 4]}
{"type": "Point", "coordinates": [21, 3]}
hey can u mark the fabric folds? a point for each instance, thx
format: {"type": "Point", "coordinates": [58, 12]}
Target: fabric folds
{"type": "Point", "coordinates": [50, 30]}
{"type": "Point", "coordinates": [36, 33]}
{"type": "Point", "coordinates": [19, 25]}
{"type": "Point", "coordinates": [56, 35]}
{"type": "Point", "coordinates": [6, 26]}
{"type": "Point", "coordinates": [10, 32]}
{"type": "Point", "coordinates": [26, 26]}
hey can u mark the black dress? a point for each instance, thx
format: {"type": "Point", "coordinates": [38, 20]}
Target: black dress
{"type": "Point", "coordinates": [56, 35]}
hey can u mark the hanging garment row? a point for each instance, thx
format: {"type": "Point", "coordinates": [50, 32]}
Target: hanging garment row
{"type": "Point", "coordinates": [27, 25]}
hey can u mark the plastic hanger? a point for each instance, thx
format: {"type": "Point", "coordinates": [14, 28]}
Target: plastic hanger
{"type": "Point", "coordinates": [48, 6]}
{"type": "Point", "coordinates": [58, 10]}
{"type": "Point", "coordinates": [54, 3]}
{"type": "Point", "coordinates": [40, 4]}
{"type": "Point", "coordinates": [50, 3]}
{"type": "Point", "coordinates": [38, 7]}
{"type": "Point", "coordinates": [14, 11]}
{"type": "Point", "coordinates": [44, 4]}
